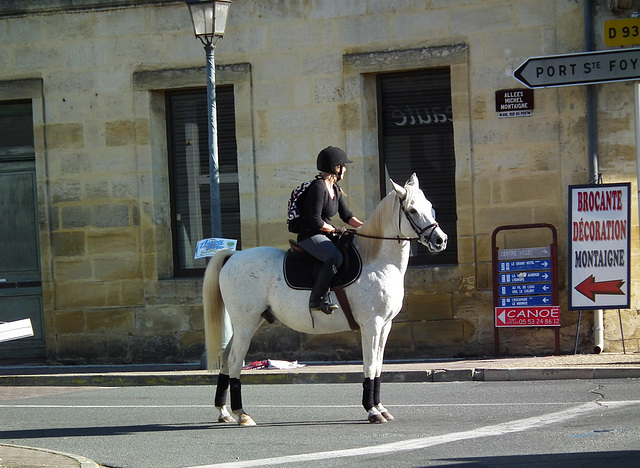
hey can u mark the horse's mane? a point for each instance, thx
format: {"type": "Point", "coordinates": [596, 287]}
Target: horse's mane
{"type": "Point", "coordinates": [374, 226]}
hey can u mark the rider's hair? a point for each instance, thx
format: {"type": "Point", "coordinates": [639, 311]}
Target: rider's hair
{"type": "Point", "coordinates": [331, 176]}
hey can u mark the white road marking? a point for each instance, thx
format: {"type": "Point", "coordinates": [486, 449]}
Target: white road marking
{"type": "Point", "coordinates": [518, 425]}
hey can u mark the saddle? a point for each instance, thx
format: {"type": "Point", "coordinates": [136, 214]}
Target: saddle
{"type": "Point", "coordinates": [301, 268]}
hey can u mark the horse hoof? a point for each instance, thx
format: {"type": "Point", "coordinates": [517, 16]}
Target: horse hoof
{"type": "Point", "coordinates": [376, 417]}
{"type": "Point", "coordinates": [388, 416]}
{"type": "Point", "coordinates": [384, 412]}
{"type": "Point", "coordinates": [245, 420]}
{"type": "Point", "coordinates": [226, 419]}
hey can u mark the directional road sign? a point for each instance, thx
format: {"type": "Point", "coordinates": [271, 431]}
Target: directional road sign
{"type": "Point", "coordinates": [519, 254]}
{"type": "Point", "coordinates": [585, 68]}
{"type": "Point", "coordinates": [524, 277]}
{"type": "Point", "coordinates": [522, 265]}
{"type": "Point", "coordinates": [524, 289]}
{"type": "Point", "coordinates": [523, 301]}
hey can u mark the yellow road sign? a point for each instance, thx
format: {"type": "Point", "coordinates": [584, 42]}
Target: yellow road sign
{"type": "Point", "coordinates": [622, 32]}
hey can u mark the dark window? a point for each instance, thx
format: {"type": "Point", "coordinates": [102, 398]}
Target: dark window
{"type": "Point", "coordinates": [416, 135]}
{"type": "Point", "coordinates": [189, 174]}
{"type": "Point", "coordinates": [16, 130]}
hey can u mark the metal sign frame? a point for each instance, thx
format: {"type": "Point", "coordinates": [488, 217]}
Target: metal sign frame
{"type": "Point", "coordinates": [522, 267]}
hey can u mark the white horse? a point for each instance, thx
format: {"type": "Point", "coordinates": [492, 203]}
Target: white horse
{"type": "Point", "coordinates": [250, 282]}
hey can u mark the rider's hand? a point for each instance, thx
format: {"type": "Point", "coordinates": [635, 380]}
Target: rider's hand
{"type": "Point", "coordinates": [339, 230]}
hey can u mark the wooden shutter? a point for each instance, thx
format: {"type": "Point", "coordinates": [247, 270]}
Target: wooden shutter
{"type": "Point", "coordinates": [416, 135]}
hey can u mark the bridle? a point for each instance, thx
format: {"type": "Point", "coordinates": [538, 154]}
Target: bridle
{"type": "Point", "coordinates": [419, 231]}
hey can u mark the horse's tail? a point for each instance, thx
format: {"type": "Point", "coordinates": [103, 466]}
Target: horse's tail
{"type": "Point", "coordinates": [213, 307]}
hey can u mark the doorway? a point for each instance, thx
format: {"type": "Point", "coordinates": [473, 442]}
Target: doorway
{"type": "Point", "coordinates": [20, 273]}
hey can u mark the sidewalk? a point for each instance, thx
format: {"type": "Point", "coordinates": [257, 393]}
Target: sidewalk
{"type": "Point", "coordinates": [14, 456]}
{"type": "Point", "coordinates": [579, 366]}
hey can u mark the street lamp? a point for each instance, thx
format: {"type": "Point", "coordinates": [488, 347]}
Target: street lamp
{"type": "Point", "coordinates": [209, 18]}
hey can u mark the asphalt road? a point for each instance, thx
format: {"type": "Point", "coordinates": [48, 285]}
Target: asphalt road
{"type": "Point", "coordinates": [564, 423]}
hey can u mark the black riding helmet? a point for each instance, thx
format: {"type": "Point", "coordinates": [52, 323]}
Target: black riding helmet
{"type": "Point", "coordinates": [330, 157]}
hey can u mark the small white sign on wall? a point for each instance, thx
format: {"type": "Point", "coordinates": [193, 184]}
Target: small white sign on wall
{"type": "Point", "coordinates": [207, 247]}
{"type": "Point", "coordinates": [15, 330]}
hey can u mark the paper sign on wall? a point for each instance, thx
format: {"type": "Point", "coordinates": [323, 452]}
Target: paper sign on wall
{"type": "Point", "coordinates": [207, 247]}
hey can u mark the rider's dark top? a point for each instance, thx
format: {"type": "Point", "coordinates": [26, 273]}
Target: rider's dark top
{"type": "Point", "coordinates": [319, 208]}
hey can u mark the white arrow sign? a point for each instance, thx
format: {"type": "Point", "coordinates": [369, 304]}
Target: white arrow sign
{"type": "Point", "coordinates": [502, 315]}
{"type": "Point", "coordinates": [580, 69]}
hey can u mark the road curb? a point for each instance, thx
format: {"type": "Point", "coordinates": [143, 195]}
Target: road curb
{"type": "Point", "coordinates": [519, 374]}
{"type": "Point", "coordinates": [320, 376]}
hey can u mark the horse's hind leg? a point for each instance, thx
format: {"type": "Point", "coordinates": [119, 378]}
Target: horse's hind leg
{"type": "Point", "coordinates": [238, 350]}
{"type": "Point", "coordinates": [222, 388]}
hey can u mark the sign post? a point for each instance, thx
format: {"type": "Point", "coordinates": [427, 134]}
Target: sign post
{"type": "Point", "coordinates": [525, 285]}
{"type": "Point", "coordinates": [599, 246]}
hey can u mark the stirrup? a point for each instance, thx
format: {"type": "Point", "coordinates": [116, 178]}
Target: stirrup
{"type": "Point", "coordinates": [325, 306]}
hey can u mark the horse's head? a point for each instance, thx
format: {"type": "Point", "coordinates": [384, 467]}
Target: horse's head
{"type": "Point", "coordinates": [419, 216]}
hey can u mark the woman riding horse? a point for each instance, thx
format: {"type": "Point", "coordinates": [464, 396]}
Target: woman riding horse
{"type": "Point", "coordinates": [250, 285]}
{"type": "Point", "coordinates": [323, 199]}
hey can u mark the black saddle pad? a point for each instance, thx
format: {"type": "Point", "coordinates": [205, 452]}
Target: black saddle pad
{"type": "Point", "coordinates": [300, 268]}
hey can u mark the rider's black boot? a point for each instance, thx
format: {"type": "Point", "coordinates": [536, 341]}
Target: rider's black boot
{"type": "Point", "coordinates": [319, 299]}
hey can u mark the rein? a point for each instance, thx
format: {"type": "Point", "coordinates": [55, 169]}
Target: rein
{"type": "Point", "coordinates": [413, 224]}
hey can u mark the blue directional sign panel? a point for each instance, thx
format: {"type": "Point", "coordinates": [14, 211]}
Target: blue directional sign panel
{"type": "Point", "coordinates": [524, 301]}
{"type": "Point", "coordinates": [524, 289]}
{"type": "Point", "coordinates": [524, 265]}
{"type": "Point", "coordinates": [525, 277]}
{"type": "Point", "coordinates": [525, 286]}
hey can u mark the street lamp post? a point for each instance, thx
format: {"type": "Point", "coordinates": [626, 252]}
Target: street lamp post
{"type": "Point", "coordinates": [209, 18]}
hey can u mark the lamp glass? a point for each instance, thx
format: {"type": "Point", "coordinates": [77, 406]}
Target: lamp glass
{"type": "Point", "coordinates": [222, 9]}
{"type": "Point", "coordinates": [209, 18]}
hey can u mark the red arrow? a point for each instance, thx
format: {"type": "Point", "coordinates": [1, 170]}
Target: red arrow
{"type": "Point", "coordinates": [589, 287]}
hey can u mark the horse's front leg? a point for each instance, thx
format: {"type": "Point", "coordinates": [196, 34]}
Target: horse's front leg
{"type": "Point", "coordinates": [377, 379]}
{"type": "Point", "coordinates": [372, 337]}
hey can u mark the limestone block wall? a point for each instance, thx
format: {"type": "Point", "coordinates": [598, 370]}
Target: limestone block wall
{"type": "Point", "coordinates": [304, 78]}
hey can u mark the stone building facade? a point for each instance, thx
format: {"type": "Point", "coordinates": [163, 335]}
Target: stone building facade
{"type": "Point", "coordinates": [99, 76]}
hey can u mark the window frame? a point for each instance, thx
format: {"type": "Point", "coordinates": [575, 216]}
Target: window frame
{"type": "Point", "coordinates": [180, 270]}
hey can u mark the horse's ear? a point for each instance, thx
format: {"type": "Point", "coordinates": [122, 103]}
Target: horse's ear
{"type": "Point", "coordinates": [413, 180]}
{"type": "Point", "coordinates": [401, 191]}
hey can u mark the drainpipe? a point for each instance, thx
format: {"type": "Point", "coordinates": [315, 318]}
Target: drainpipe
{"type": "Point", "coordinates": [592, 136]}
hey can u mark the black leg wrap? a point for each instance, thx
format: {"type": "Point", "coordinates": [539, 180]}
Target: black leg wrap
{"type": "Point", "coordinates": [222, 390]}
{"type": "Point", "coordinates": [376, 391]}
{"type": "Point", "coordinates": [236, 394]}
{"type": "Point", "coordinates": [367, 394]}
